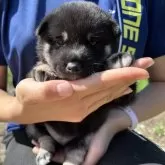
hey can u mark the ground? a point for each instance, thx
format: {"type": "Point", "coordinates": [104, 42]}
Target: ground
{"type": "Point", "coordinates": [2, 149]}
{"type": "Point", "coordinates": [153, 129]}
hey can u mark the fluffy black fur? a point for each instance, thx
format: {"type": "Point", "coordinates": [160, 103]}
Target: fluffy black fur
{"type": "Point", "coordinates": [75, 41]}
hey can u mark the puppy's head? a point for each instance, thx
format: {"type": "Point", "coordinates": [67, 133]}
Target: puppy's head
{"type": "Point", "coordinates": [76, 39]}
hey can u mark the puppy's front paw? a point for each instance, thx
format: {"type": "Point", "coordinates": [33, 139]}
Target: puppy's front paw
{"type": "Point", "coordinates": [39, 76]}
{"type": "Point", "coordinates": [120, 60]}
{"type": "Point", "coordinates": [42, 72]}
{"type": "Point", "coordinates": [127, 59]}
{"type": "Point", "coordinates": [43, 157]}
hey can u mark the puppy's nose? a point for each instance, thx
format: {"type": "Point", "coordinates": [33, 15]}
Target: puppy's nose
{"type": "Point", "coordinates": [73, 67]}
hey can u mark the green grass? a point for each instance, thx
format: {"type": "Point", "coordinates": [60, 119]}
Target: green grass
{"type": "Point", "coordinates": [159, 129]}
{"type": "Point", "coordinates": [9, 78]}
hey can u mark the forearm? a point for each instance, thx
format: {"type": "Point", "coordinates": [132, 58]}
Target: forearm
{"type": "Point", "coordinates": [150, 102]}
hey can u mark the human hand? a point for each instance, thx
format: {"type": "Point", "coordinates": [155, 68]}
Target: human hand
{"type": "Point", "coordinates": [73, 101]}
{"type": "Point", "coordinates": [117, 121]}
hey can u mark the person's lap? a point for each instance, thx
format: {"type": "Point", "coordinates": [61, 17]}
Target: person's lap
{"type": "Point", "coordinates": [127, 148]}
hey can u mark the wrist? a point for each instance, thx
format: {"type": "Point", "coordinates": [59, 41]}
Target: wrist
{"type": "Point", "coordinates": [14, 110]}
{"type": "Point", "coordinates": [119, 120]}
{"type": "Point", "coordinates": [132, 116]}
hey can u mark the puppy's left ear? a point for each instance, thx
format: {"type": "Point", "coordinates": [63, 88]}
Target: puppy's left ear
{"type": "Point", "coordinates": [42, 29]}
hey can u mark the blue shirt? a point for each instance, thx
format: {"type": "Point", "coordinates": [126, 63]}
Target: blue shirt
{"type": "Point", "coordinates": [141, 21]}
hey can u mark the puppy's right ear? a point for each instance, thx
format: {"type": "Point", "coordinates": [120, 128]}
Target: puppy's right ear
{"type": "Point", "coordinates": [42, 29]}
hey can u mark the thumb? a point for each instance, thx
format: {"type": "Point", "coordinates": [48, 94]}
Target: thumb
{"type": "Point", "coordinates": [29, 90]}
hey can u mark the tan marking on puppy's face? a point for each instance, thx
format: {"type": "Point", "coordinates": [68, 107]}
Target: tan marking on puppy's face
{"type": "Point", "coordinates": [64, 36]}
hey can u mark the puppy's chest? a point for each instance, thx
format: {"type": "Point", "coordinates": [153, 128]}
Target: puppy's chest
{"type": "Point", "coordinates": [64, 132]}
{"type": "Point", "coordinates": [59, 132]}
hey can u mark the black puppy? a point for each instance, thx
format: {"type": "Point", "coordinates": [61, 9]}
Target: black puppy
{"type": "Point", "coordinates": [75, 41]}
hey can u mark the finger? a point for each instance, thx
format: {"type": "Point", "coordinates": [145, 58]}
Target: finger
{"type": "Point", "coordinates": [110, 93]}
{"type": "Point", "coordinates": [59, 157]}
{"type": "Point", "coordinates": [31, 91]}
{"type": "Point", "coordinates": [96, 151]}
{"type": "Point", "coordinates": [35, 150]}
{"type": "Point", "coordinates": [34, 143]}
{"type": "Point", "coordinates": [124, 91]}
{"type": "Point", "coordinates": [99, 145]}
{"type": "Point", "coordinates": [107, 79]}
{"type": "Point", "coordinates": [98, 103]}
{"type": "Point", "coordinates": [144, 63]}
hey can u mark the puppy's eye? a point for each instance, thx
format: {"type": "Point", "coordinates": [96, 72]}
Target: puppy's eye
{"type": "Point", "coordinates": [93, 41]}
{"type": "Point", "coordinates": [59, 41]}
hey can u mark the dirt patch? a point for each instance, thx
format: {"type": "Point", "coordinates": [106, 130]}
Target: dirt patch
{"type": "Point", "coordinates": [2, 148]}
{"type": "Point", "coordinates": [154, 129]}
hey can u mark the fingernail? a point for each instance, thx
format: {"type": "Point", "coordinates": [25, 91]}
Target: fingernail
{"type": "Point", "coordinates": [65, 89]}
{"type": "Point", "coordinates": [151, 64]}
{"type": "Point", "coordinates": [34, 143]}
{"type": "Point", "coordinates": [128, 91]}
